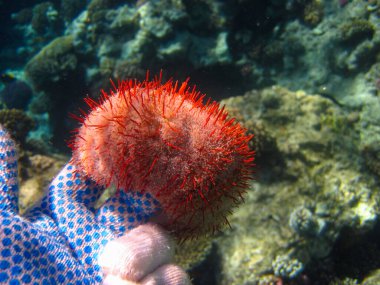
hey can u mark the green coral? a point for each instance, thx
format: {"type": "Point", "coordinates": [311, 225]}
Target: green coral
{"type": "Point", "coordinates": [355, 31]}
{"type": "Point", "coordinates": [52, 63]}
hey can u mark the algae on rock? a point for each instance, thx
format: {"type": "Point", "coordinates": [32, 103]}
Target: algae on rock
{"type": "Point", "coordinates": [320, 171]}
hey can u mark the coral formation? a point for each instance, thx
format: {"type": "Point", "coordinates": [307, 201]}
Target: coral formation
{"type": "Point", "coordinates": [321, 170]}
{"type": "Point", "coordinates": [18, 122]}
{"type": "Point", "coordinates": [52, 64]}
{"type": "Point", "coordinates": [355, 31]}
{"type": "Point", "coordinates": [313, 13]}
{"type": "Point", "coordinates": [287, 267]}
{"type": "Point", "coordinates": [44, 17]}
{"type": "Point", "coordinates": [228, 47]}
{"type": "Point", "coordinates": [305, 223]}
{"type": "Point", "coordinates": [186, 153]}
{"type": "Point", "coordinates": [214, 37]}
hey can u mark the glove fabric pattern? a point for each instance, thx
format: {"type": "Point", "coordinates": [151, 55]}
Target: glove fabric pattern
{"type": "Point", "coordinates": [59, 240]}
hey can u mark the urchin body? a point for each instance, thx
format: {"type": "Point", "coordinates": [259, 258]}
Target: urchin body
{"type": "Point", "coordinates": [164, 140]}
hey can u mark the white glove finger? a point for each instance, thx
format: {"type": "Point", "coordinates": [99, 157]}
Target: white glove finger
{"type": "Point", "coordinates": [137, 253]}
{"type": "Point", "coordinates": [168, 274]}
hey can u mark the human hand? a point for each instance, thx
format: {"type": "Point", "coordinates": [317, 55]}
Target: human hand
{"type": "Point", "coordinates": [65, 240]}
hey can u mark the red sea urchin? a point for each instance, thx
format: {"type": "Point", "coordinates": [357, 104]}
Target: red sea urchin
{"type": "Point", "coordinates": [160, 138]}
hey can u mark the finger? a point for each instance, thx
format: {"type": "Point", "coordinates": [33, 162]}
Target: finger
{"type": "Point", "coordinates": [165, 275]}
{"type": "Point", "coordinates": [137, 253]}
{"type": "Point", "coordinates": [168, 274]}
{"type": "Point", "coordinates": [116, 280]}
{"type": "Point", "coordinates": [8, 173]}
{"type": "Point", "coordinates": [127, 210]}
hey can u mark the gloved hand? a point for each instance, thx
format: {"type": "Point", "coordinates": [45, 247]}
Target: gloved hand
{"type": "Point", "coordinates": [65, 240]}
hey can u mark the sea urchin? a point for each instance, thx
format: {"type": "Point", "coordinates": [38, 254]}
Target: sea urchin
{"type": "Point", "coordinates": [163, 139]}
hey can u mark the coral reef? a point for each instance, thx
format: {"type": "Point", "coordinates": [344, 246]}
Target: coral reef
{"type": "Point", "coordinates": [326, 150]}
{"type": "Point", "coordinates": [252, 42]}
{"type": "Point", "coordinates": [286, 267]}
{"type": "Point", "coordinates": [206, 34]}
{"type": "Point", "coordinates": [321, 191]}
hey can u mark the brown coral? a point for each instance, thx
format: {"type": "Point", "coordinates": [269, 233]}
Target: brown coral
{"type": "Point", "coordinates": [313, 13]}
{"type": "Point", "coordinates": [17, 122]}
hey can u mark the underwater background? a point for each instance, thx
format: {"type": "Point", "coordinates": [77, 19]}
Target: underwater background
{"type": "Point", "coordinates": [302, 75]}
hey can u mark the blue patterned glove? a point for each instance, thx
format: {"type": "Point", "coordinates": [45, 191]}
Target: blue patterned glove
{"type": "Point", "coordinates": [61, 239]}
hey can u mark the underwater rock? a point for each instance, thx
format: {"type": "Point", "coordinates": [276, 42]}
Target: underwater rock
{"type": "Point", "coordinates": [37, 171]}
{"type": "Point", "coordinates": [322, 169]}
